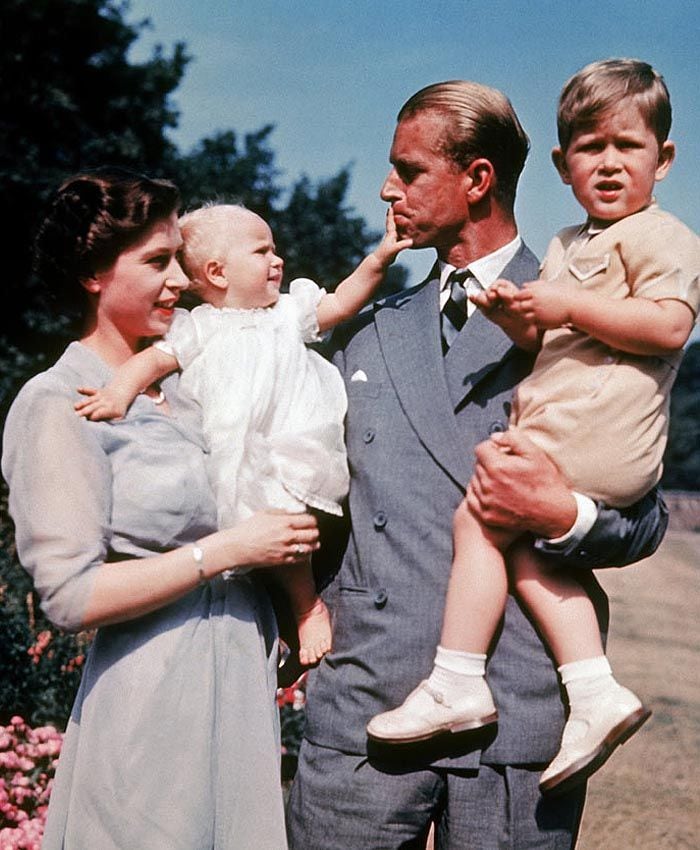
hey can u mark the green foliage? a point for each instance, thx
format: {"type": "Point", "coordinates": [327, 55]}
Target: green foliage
{"type": "Point", "coordinates": [216, 169]}
{"type": "Point", "coordinates": [682, 457]}
{"type": "Point", "coordinates": [70, 100]}
{"type": "Point", "coordinates": [319, 237]}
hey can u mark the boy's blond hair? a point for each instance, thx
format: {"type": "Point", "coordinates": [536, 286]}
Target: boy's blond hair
{"type": "Point", "coordinates": [599, 88]}
{"type": "Point", "coordinates": [206, 234]}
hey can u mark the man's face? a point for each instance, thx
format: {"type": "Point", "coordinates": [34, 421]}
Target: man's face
{"type": "Point", "coordinates": [427, 192]}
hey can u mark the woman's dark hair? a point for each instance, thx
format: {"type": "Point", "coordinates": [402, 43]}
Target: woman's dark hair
{"type": "Point", "coordinates": [91, 218]}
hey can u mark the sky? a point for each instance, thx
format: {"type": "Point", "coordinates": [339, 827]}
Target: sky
{"type": "Point", "coordinates": [331, 76]}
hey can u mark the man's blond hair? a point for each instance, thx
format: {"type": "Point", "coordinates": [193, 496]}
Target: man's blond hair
{"type": "Point", "coordinates": [478, 122]}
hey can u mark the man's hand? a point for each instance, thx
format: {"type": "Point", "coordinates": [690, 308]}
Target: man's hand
{"type": "Point", "coordinates": [517, 486]}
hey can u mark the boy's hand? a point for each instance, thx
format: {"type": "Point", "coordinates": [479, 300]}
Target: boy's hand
{"type": "Point", "coordinates": [100, 404]}
{"type": "Point", "coordinates": [546, 304]}
{"type": "Point", "coordinates": [390, 246]}
{"type": "Point", "coordinates": [497, 303]}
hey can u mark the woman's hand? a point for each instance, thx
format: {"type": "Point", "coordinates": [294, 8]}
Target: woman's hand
{"type": "Point", "coordinates": [266, 539]}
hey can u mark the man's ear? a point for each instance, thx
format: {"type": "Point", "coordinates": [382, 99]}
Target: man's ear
{"type": "Point", "coordinates": [482, 179]}
{"type": "Point", "coordinates": [214, 274]}
{"type": "Point", "coordinates": [559, 160]}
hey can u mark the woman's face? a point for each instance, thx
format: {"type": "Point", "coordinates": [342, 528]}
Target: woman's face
{"type": "Point", "coordinates": [137, 295]}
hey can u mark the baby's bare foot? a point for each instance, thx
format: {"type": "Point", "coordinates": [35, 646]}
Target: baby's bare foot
{"type": "Point", "coordinates": [314, 628]}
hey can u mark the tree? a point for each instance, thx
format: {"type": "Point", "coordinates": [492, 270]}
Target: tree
{"type": "Point", "coordinates": [70, 99]}
{"type": "Point", "coordinates": [217, 169]}
{"type": "Point", "coordinates": [320, 237]}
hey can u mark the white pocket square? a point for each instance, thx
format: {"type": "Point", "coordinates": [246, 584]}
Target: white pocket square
{"type": "Point", "coordinates": [358, 376]}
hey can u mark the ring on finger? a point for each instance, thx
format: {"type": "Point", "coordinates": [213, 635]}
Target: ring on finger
{"type": "Point", "coordinates": [299, 548]}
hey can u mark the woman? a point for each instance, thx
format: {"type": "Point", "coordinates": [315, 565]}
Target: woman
{"type": "Point", "coordinates": [173, 739]}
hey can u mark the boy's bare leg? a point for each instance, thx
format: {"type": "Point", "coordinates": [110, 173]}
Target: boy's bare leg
{"type": "Point", "coordinates": [559, 604]}
{"type": "Point", "coordinates": [478, 584]}
{"type": "Point", "coordinates": [309, 610]}
{"type": "Point", "coordinates": [456, 696]}
{"type": "Point", "coordinates": [602, 713]}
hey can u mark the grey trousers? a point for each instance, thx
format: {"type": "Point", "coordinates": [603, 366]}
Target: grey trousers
{"type": "Point", "coordinates": [341, 802]}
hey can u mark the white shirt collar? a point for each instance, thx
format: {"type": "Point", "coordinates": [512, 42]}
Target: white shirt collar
{"type": "Point", "coordinates": [486, 270]}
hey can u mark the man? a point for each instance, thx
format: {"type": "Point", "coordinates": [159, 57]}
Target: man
{"type": "Point", "coordinates": [416, 418]}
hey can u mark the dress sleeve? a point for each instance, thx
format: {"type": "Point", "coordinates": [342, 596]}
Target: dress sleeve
{"type": "Point", "coordinates": [304, 294]}
{"type": "Point", "coordinates": [182, 340]}
{"type": "Point", "coordinates": [59, 481]}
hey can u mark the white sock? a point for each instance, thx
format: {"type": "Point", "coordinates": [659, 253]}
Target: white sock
{"type": "Point", "coordinates": [454, 669]}
{"type": "Point", "coordinates": [585, 680]}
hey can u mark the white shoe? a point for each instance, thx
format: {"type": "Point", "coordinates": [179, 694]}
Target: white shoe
{"type": "Point", "coordinates": [590, 738]}
{"type": "Point", "coordinates": [425, 713]}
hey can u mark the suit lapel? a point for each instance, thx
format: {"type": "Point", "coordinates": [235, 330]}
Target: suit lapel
{"type": "Point", "coordinates": [409, 336]}
{"type": "Point", "coordinates": [481, 346]}
{"type": "Point", "coordinates": [477, 351]}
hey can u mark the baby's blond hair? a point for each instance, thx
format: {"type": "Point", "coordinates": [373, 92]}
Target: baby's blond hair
{"type": "Point", "coordinates": [601, 86]}
{"type": "Point", "coordinates": [206, 234]}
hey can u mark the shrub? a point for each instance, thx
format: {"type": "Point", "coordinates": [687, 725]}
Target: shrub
{"type": "Point", "coordinates": [28, 760]}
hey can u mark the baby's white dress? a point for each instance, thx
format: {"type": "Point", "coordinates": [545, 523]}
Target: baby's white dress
{"type": "Point", "coordinates": [273, 409]}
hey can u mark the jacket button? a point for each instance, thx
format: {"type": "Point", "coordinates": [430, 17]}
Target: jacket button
{"type": "Point", "coordinates": [496, 427]}
{"type": "Point", "coordinates": [380, 598]}
{"type": "Point", "coordinates": [368, 436]}
{"type": "Point", "coordinates": [379, 520]}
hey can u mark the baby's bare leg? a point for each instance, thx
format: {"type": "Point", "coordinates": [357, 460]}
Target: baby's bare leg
{"type": "Point", "coordinates": [310, 611]}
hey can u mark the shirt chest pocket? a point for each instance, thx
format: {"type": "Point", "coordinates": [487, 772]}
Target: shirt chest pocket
{"type": "Point", "coordinates": [586, 268]}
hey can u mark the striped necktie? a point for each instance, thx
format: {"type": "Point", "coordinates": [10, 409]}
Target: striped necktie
{"type": "Point", "coordinates": [454, 313]}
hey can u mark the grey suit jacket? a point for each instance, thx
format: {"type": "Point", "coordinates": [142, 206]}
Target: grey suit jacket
{"type": "Point", "coordinates": [411, 430]}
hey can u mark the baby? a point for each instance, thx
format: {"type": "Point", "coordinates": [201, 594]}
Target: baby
{"type": "Point", "coordinates": [616, 303]}
{"type": "Point", "coordinates": [272, 408]}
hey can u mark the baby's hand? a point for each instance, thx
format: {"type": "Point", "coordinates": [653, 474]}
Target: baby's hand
{"type": "Point", "coordinates": [390, 246]}
{"type": "Point", "coordinates": [100, 404]}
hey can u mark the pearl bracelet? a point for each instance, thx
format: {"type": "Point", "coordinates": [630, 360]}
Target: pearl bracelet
{"type": "Point", "coordinates": [198, 556]}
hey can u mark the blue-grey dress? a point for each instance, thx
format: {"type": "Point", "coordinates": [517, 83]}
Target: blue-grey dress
{"type": "Point", "coordinates": [173, 743]}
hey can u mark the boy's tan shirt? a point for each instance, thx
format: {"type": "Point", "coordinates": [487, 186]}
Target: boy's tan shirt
{"type": "Point", "coordinates": [601, 413]}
